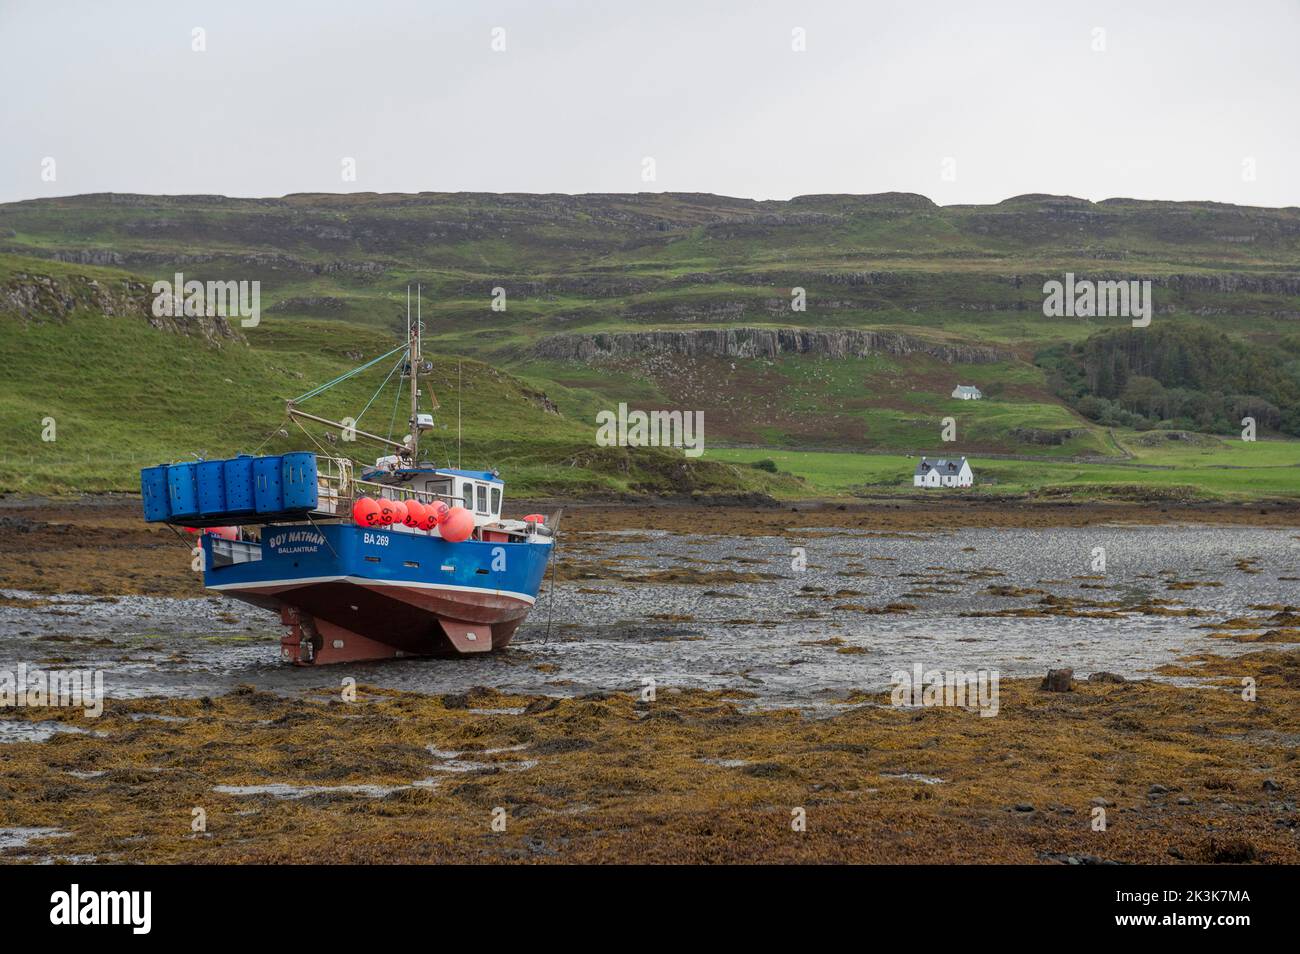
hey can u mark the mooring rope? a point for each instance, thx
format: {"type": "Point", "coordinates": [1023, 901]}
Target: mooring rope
{"type": "Point", "coordinates": [550, 597]}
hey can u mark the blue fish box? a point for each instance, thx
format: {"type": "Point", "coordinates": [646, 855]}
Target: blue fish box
{"type": "Point", "coordinates": [153, 488]}
{"type": "Point", "coordinates": [268, 493]}
{"type": "Point", "coordinates": [298, 480]}
{"type": "Point", "coordinates": [182, 490]}
{"type": "Point", "coordinates": [212, 487]}
{"type": "Point", "coordinates": [238, 476]}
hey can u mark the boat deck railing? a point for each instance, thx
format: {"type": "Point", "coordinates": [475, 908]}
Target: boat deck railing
{"type": "Point", "coordinates": [337, 489]}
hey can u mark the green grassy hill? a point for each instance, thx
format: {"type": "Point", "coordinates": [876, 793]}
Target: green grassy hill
{"type": "Point", "coordinates": [955, 291]}
{"type": "Point", "coordinates": [125, 395]}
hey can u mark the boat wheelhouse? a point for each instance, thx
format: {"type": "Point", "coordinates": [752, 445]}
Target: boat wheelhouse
{"type": "Point", "coordinates": [480, 492]}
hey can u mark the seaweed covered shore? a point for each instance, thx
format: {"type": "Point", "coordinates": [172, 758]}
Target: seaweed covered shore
{"type": "Point", "coordinates": [1178, 774]}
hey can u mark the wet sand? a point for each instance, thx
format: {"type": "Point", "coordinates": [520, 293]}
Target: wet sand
{"type": "Point", "coordinates": [1187, 771]}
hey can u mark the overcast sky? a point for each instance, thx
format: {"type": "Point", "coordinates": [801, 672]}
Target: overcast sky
{"type": "Point", "coordinates": [961, 101]}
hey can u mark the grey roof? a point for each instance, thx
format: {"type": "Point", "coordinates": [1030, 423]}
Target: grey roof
{"type": "Point", "coordinates": [941, 464]}
{"type": "Point", "coordinates": [967, 389]}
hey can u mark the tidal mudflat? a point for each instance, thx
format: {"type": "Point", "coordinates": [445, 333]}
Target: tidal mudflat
{"type": "Point", "coordinates": [770, 654]}
{"type": "Point", "coordinates": [797, 619]}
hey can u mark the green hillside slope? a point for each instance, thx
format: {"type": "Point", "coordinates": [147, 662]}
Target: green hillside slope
{"type": "Point", "coordinates": [124, 395]}
{"type": "Point", "coordinates": [620, 299]}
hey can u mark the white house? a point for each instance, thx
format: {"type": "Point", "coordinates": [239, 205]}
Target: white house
{"type": "Point", "coordinates": [942, 473]}
{"type": "Point", "coordinates": [967, 392]}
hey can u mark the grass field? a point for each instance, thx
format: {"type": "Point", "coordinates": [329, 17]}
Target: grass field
{"type": "Point", "coordinates": [1219, 470]}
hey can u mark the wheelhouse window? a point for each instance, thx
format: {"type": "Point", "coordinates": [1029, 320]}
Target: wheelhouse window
{"type": "Point", "coordinates": [496, 499]}
{"type": "Point", "coordinates": [442, 488]}
{"type": "Point", "coordinates": [482, 498]}
{"type": "Point", "coordinates": [467, 492]}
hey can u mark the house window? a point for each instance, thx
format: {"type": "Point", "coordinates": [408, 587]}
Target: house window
{"type": "Point", "coordinates": [482, 498]}
{"type": "Point", "coordinates": [496, 499]}
{"type": "Point", "coordinates": [467, 491]}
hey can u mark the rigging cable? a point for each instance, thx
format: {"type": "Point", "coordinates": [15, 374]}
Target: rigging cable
{"type": "Point", "coordinates": [318, 444]}
{"type": "Point", "coordinates": [383, 384]}
{"type": "Point", "coordinates": [397, 397]}
{"type": "Point", "coordinates": [343, 377]}
{"type": "Point", "coordinates": [275, 430]}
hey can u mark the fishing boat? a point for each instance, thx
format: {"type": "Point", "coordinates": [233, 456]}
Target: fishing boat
{"type": "Point", "coordinates": [362, 562]}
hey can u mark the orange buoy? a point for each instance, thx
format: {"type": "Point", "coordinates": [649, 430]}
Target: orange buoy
{"type": "Point", "coordinates": [414, 513]}
{"type": "Point", "coordinates": [535, 518]}
{"type": "Point", "coordinates": [399, 511]}
{"type": "Point", "coordinates": [458, 525]}
{"type": "Point", "coordinates": [438, 512]}
{"type": "Point", "coordinates": [365, 512]}
{"type": "Point", "coordinates": [387, 511]}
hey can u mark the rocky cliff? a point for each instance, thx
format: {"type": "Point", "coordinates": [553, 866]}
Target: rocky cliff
{"type": "Point", "coordinates": [758, 343]}
{"type": "Point", "coordinates": [45, 298]}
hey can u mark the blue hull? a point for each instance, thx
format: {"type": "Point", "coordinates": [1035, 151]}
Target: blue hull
{"type": "Point", "coordinates": [350, 593]}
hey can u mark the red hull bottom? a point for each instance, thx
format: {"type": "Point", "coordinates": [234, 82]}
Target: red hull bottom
{"type": "Point", "coordinates": [348, 622]}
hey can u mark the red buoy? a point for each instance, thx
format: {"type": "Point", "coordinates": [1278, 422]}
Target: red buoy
{"type": "Point", "coordinates": [535, 518]}
{"type": "Point", "coordinates": [386, 511]}
{"type": "Point", "coordinates": [399, 511]}
{"type": "Point", "coordinates": [414, 513]}
{"type": "Point", "coordinates": [458, 526]}
{"type": "Point", "coordinates": [365, 512]}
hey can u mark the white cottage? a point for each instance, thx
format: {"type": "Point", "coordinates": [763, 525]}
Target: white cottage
{"type": "Point", "coordinates": [943, 473]}
{"type": "Point", "coordinates": [967, 392]}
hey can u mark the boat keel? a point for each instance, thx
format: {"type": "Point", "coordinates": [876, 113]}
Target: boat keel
{"type": "Point", "coordinates": [316, 642]}
{"type": "Point", "coordinates": [311, 641]}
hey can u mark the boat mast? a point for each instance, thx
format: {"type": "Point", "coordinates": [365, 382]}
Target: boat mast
{"type": "Point", "coordinates": [413, 352]}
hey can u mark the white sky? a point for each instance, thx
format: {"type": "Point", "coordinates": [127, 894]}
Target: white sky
{"type": "Point", "coordinates": [1012, 91]}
